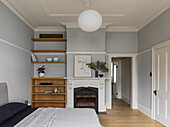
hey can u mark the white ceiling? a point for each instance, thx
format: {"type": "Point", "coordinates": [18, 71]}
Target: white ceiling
{"type": "Point", "coordinates": [120, 15]}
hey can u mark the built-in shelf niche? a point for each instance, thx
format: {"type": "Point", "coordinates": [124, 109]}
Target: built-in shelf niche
{"type": "Point", "coordinates": [50, 48]}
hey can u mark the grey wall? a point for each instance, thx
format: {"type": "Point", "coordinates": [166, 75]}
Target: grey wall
{"type": "Point", "coordinates": [79, 40]}
{"type": "Point", "coordinates": [15, 66]}
{"type": "Point", "coordinates": [126, 80]}
{"type": "Point", "coordinates": [120, 42]}
{"type": "Point", "coordinates": [145, 84]}
{"type": "Point", "coordinates": [155, 32]}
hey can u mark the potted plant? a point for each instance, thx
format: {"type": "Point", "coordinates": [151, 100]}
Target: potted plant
{"type": "Point", "coordinates": [98, 66]}
{"type": "Point", "coordinates": [41, 72]}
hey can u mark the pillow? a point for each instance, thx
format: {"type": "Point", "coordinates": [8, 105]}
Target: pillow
{"type": "Point", "coordinates": [4, 116]}
{"type": "Point", "coordinates": [12, 108]}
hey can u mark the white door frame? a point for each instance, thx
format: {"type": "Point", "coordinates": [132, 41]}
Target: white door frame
{"type": "Point", "coordinates": [161, 45]}
{"type": "Point", "coordinates": [134, 89]}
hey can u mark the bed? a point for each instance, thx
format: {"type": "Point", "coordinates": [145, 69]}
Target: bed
{"type": "Point", "coordinates": [21, 115]}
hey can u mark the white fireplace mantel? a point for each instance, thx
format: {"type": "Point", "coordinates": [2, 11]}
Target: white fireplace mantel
{"type": "Point", "coordinates": [87, 82]}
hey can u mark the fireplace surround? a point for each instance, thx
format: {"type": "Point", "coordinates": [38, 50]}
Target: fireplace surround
{"type": "Point", "coordinates": [98, 83]}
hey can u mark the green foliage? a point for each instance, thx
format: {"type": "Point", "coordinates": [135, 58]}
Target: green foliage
{"type": "Point", "coordinates": [98, 66]}
{"type": "Point", "coordinates": [41, 70]}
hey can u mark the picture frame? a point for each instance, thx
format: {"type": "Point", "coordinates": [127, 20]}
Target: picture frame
{"type": "Point", "coordinates": [80, 67]}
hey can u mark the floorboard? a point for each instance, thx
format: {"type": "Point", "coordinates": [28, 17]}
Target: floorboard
{"type": "Point", "coordinates": [121, 115]}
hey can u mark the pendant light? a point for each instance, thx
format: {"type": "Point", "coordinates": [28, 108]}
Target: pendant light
{"type": "Point", "coordinates": [90, 20]}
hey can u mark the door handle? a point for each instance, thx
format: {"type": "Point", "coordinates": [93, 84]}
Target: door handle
{"type": "Point", "coordinates": [155, 92]}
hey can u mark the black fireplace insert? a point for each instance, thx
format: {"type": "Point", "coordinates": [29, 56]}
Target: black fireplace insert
{"type": "Point", "coordinates": [86, 98]}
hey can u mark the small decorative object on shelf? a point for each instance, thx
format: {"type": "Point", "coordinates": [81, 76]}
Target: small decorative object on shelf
{"type": "Point", "coordinates": [56, 59]}
{"type": "Point", "coordinates": [96, 73]}
{"type": "Point", "coordinates": [41, 72]}
{"type": "Point", "coordinates": [45, 83]}
{"type": "Point", "coordinates": [98, 66]}
{"type": "Point", "coordinates": [49, 59]}
{"type": "Point", "coordinates": [48, 91]}
{"type": "Point", "coordinates": [34, 58]}
{"type": "Point", "coordinates": [55, 90]}
{"type": "Point", "coordinates": [101, 75]}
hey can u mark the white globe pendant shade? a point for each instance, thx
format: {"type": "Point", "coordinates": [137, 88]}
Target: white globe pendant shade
{"type": "Point", "coordinates": [90, 20]}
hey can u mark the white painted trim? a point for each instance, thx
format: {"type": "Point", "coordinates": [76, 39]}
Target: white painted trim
{"type": "Point", "coordinates": [92, 78]}
{"type": "Point", "coordinates": [121, 29]}
{"type": "Point", "coordinates": [86, 53]}
{"type": "Point", "coordinates": [144, 110]}
{"type": "Point", "coordinates": [54, 28]}
{"type": "Point", "coordinates": [13, 45]}
{"type": "Point", "coordinates": [145, 51]}
{"type": "Point", "coordinates": [161, 45]}
{"type": "Point", "coordinates": [153, 85]}
{"type": "Point", "coordinates": [134, 88]}
{"type": "Point", "coordinates": [121, 54]}
{"type": "Point", "coordinates": [14, 10]}
{"type": "Point", "coordinates": [50, 53]}
{"type": "Point", "coordinates": [158, 12]}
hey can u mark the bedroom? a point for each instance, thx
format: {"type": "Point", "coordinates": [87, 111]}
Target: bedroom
{"type": "Point", "coordinates": [132, 28]}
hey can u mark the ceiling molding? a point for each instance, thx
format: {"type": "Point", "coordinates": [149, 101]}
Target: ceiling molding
{"type": "Point", "coordinates": [155, 15]}
{"type": "Point", "coordinates": [75, 25]}
{"type": "Point", "coordinates": [49, 14]}
{"type": "Point", "coordinates": [50, 28]}
{"type": "Point", "coordinates": [121, 29]}
{"type": "Point", "coordinates": [164, 5]}
{"type": "Point", "coordinates": [14, 10]}
{"type": "Point", "coordinates": [77, 15]}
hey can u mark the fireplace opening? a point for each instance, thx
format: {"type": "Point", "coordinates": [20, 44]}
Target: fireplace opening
{"type": "Point", "coordinates": [86, 98]}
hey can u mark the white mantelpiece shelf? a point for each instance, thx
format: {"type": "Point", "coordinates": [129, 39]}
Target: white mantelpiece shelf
{"type": "Point", "coordinates": [90, 78]}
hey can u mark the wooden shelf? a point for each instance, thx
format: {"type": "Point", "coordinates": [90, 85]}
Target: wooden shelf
{"type": "Point", "coordinates": [48, 93]}
{"type": "Point", "coordinates": [48, 85]}
{"type": "Point", "coordinates": [49, 78]}
{"type": "Point", "coordinates": [49, 101]}
{"type": "Point", "coordinates": [48, 39]}
{"type": "Point", "coordinates": [44, 50]}
{"type": "Point", "coordinates": [48, 61]}
{"type": "Point", "coordinates": [41, 99]}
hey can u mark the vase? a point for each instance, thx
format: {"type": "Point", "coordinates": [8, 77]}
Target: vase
{"type": "Point", "coordinates": [101, 75]}
{"type": "Point", "coordinates": [41, 75]}
{"type": "Point", "coordinates": [96, 73]}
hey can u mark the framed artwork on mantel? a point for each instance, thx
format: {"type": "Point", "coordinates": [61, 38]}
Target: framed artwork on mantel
{"type": "Point", "coordinates": [80, 67]}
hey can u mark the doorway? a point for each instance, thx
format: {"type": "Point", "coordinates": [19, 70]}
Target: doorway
{"type": "Point", "coordinates": [133, 95]}
{"type": "Point", "coordinates": [121, 73]}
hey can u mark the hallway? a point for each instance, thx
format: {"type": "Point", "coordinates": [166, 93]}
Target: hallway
{"type": "Point", "coordinates": [121, 115]}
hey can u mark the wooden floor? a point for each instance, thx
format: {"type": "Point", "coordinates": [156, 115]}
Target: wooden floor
{"type": "Point", "coordinates": [121, 115]}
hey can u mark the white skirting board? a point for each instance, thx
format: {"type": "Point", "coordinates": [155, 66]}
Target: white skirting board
{"type": "Point", "coordinates": [144, 110]}
{"type": "Point", "coordinates": [126, 100]}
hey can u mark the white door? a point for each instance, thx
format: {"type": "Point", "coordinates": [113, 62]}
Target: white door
{"type": "Point", "coordinates": [162, 85]}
